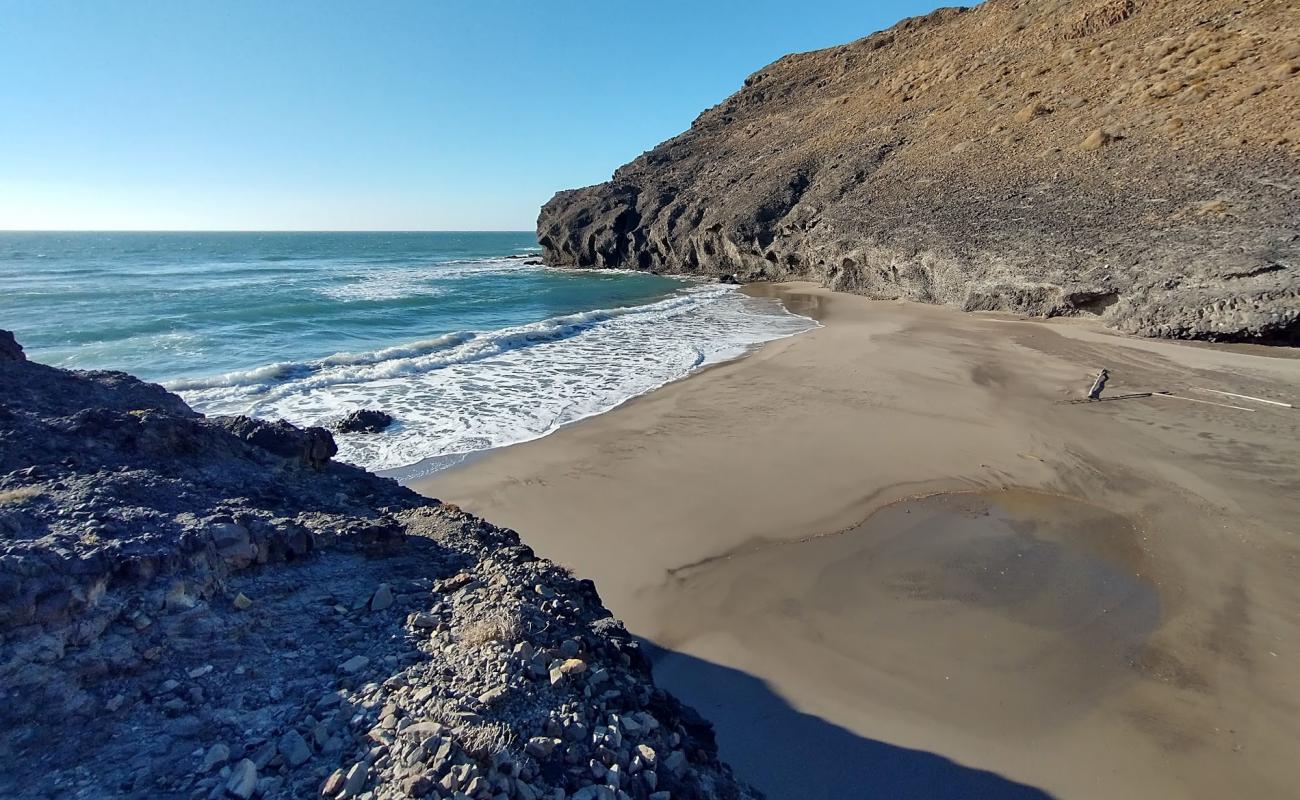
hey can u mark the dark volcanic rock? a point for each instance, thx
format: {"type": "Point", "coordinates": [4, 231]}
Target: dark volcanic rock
{"type": "Point", "coordinates": [10, 350]}
{"type": "Point", "coordinates": [313, 446]}
{"type": "Point", "coordinates": [364, 421]}
{"type": "Point", "coordinates": [195, 607]}
{"type": "Point", "coordinates": [1132, 160]}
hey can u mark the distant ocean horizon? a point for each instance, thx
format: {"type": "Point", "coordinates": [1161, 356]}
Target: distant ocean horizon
{"type": "Point", "coordinates": [455, 334]}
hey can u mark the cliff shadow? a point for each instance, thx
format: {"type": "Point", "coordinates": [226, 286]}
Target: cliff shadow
{"type": "Point", "coordinates": [790, 755]}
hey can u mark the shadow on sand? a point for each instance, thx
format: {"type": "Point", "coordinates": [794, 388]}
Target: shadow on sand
{"type": "Point", "coordinates": [791, 755]}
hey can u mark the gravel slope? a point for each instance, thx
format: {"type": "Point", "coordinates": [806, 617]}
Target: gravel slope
{"type": "Point", "coordinates": [208, 608]}
{"type": "Point", "coordinates": [1134, 159]}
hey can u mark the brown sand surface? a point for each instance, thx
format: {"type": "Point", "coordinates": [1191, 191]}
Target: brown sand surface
{"type": "Point", "coordinates": [887, 556]}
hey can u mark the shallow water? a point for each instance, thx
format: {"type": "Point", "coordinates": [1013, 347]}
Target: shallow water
{"type": "Point", "coordinates": [454, 334]}
{"type": "Point", "coordinates": [1048, 563]}
{"type": "Point", "coordinates": [1005, 614]}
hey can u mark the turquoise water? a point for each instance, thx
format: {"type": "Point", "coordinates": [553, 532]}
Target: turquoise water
{"type": "Point", "coordinates": [167, 305]}
{"type": "Point", "coordinates": [453, 333]}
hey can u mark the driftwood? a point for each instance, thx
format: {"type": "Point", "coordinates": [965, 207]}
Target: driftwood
{"type": "Point", "coordinates": [1246, 397]}
{"type": "Point", "coordinates": [1133, 396]}
{"type": "Point", "coordinates": [1206, 402]}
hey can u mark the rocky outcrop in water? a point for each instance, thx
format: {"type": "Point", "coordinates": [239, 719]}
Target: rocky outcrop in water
{"type": "Point", "coordinates": [1138, 160]}
{"type": "Point", "coordinates": [366, 420]}
{"type": "Point", "coordinates": [212, 608]}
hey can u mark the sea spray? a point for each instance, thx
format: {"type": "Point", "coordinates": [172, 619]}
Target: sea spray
{"type": "Point", "coordinates": [463, 337]}
{"type": "Point", "coordinates": [469, 391]}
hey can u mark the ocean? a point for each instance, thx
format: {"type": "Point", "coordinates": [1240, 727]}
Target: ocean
{"type": "Point", "coordinates": [467, 345]}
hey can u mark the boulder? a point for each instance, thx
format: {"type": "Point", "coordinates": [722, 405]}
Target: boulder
{"type": "Point", "coordinates": [932, 162]}
{"type": "Point", "coordinates": [243, 780]}
{"type": "Point", "coordinates": [364, 421]}
{"type": "Point", "coordinates": [294, 748]}
{"type": "Point", "coordinates": [313, 446]}
{"type": "Point", "coordinates": [10, 350]}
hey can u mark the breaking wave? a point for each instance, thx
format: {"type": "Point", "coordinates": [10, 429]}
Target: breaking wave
{"type": "Point", "coordinates": [473, 390]}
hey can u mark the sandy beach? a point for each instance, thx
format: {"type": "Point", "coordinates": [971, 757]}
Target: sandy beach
{"type": "Point", "coordinates": [890, 558]}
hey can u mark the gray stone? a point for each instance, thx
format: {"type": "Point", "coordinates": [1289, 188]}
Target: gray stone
{"type": "Point", "coordinates": [264, 754]}
{"type": "Point", "coordinates": [423, 730]}
{"type": "Point", "coordinates": [355, 664]}
{"type": "Point", "coordinates": [294, 748]}
{"type": "Point", "coordinates": [541, 747]}
{"type": "Point", "coordinates": [334, 783]}
{"type": "Point", "coordinates": [382, 599]}
{"type": "Point", "coordinates": [647, 754]}
{"type": "Point", "coordinates": [243, 780]}
{"type": "Point", "coordinates": [571, 666]}
{"type": "Point", "coordinates": [443, 755]}
{"type": "Point", "coordinates": [424, 619]}
{"type": "Point", "coordinates": [675, 763]}
{"type": "Point", "coordinates": [356, 779]}
{"type": "Point", "coordinates": [217, 755]}
{"type": "Point", "coordinates": [417, 785]}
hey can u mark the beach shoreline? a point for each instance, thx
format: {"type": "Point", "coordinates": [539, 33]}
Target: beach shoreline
{"type": "Point", "coordinates": [686, 487]}
{"type": "Point", "coordinates": [424, 469]}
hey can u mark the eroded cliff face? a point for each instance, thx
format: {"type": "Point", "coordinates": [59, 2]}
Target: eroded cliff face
{"type": "Point", "coordinates": [1133, 159]}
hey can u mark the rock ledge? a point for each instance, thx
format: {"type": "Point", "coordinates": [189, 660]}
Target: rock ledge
{"type": "Point", "coordinates": [201, 607]}
{"type": "Point", "coordinates": [1136, 160]}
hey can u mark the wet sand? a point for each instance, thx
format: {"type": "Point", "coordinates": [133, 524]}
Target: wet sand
{"type": "Point", "coordinates": [887, 555]}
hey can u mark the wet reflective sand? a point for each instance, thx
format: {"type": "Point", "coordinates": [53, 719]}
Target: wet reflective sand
{"type": "Point", "coordinates": [1011, 610]}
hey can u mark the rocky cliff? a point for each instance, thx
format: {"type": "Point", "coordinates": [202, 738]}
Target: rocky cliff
{"type": "Point", "coordinates": [1133, 159]}
{"type": "Point", "coordinates": [212, 608]}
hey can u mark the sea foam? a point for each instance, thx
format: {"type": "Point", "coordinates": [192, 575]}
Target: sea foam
{"type": "Point", "coordinates": [468, 391]}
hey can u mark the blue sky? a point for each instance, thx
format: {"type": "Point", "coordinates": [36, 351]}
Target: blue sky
{"type": "Point", "coordinates": [419, 115]}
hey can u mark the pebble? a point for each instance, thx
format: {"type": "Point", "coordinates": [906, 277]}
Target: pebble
{"type": "Point", "coordinates": [418, 785]}
{"type": "Point", "coordinates": [423, 730]}
{"type": "Point", "coordinates": [675, 762]}
{"type": "Point", "coordinates": [647, 754]}
{"type": "Point", "coordinates": [175, 705]}
{"type": "Point", "coordinates": [217, 755]}
{"type": "Point", "coordinates": [294, 748]}
{"type": "Point", "coordinates": [334, 783]}
{"type": "Point", "coordinates": [571, 666]}
{"type": "Point", "coordinates": [382, 599]}
{"type": "Point", "coordinates": [355, 780]}
{"type": "Point", "coordinates": [355, 664]}
{"type": "Point", "coordinates": [424, 619]}
{"type": "Point", "coordinates": [264, 755]}
{"type": "Point", "coordinates": [541, 747]}
{"type": "Point", "coordinates": [243, 780]}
